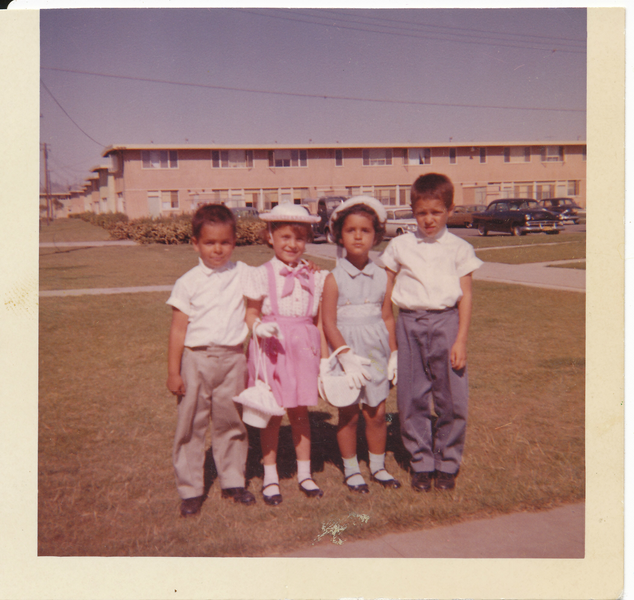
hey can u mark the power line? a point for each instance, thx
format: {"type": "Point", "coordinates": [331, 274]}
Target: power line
{"type": "Point", "coordinates": [71, 119]}
{"type": "Point", "coordinates": [409, 25]}
{"type": "Point", "coordinates": [299, 95]}
{"type": "Point", "coordinates": [424, 36]}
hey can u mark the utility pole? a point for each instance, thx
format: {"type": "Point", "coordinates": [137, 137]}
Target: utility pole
{"type": "Point", "coordinates": [47, 186]}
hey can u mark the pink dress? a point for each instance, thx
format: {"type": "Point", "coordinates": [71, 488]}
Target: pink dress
{"type": "Point", "coordinates": [292, 363]}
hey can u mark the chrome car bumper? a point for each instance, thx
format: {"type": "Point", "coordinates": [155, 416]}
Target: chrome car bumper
{"type": "Point", "coordinates": [541, 226]}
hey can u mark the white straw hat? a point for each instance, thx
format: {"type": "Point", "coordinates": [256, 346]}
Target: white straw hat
{"type": "Point", "coordinates": [291, 213]}
{"type": "Point", "coordinates": [369, 201]}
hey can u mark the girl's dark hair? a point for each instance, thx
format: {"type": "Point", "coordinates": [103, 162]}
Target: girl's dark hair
{"type": "Point", "coordinates": [297, 227]}
{"type": "Point", "coordinates": [357, 209]}
{"type": "Point", "coordinates": [212, 214]}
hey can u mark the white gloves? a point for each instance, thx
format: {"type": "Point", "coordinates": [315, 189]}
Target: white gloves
{"type": "Point", "coordinates": [266, 330]}
{"type": "Point", "coordinates": [392, 371]}
{"type": "Point", "coordinates": [353, 366]}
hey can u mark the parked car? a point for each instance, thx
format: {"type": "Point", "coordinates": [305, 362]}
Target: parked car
{"type": "Point", "coordinates": [463, 215]}
{"type": "Point", "coordinates": [245, 212]}
{"type": "Point", "coordinates": [517, 216]}
{"type": "Point", "coordinates": [399, 221]}
{"type": "Point", "coordinates": [324, 208]}
{"type": "Point", "coordinates": [566, 207]}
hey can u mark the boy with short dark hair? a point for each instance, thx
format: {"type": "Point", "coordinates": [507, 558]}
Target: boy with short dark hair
{"type": "Point", "coordinates": [432, 270]}
{"type": "Point", "coordinates": [206, 362]}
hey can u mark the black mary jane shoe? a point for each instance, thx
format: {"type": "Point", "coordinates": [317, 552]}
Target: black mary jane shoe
{"type": "Point", "coordinates": [359, 489]}
{"type": "Point", "coordinates": [272, 500]}
{"type": "Point", "coordinates": [392, 483]}
{"type": "Point", "coordinates": [316, 493]}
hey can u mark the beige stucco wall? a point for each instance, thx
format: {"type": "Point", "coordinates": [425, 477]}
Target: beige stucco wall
{"type": "Point", "coordinates": [195, 175]}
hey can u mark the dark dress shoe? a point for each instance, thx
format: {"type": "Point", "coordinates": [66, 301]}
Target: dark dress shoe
{"type": "Point", "coordinates": [191, 506]}
{"type": "Point", "coordinates": [421, 482]}
{"type": "Point", "coordinates": [239, 494]}
{"type": "Point", "coordinates": [316, 493]}
{"type": "Point", "coordinates": [359, 489]}
{"type": "Point", "coordinates": [386, 483]}
{"type": "Point", "coordinates": [445, 481]}
{"type": "Point", "coordinates": [271, 500]}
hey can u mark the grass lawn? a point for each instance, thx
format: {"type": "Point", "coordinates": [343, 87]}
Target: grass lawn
{"type": "Point", "coordinates": [71, 230]}
{"type": "Point", "coordinates": [531, 254]}
{"type": "Point", "coordinates": [106, 484]}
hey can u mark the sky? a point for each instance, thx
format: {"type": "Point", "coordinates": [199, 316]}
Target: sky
{"type": "Point", "coordinates": [300, 76]}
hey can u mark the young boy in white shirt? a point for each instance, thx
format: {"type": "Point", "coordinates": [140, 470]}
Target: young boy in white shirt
{"type": "Point", "coordinates": [432, 270]}
{"type": "Point", "coordinates": [206, 362]}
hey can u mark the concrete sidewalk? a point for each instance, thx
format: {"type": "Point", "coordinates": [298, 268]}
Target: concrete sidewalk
{"type": "Point", "coordinates": [556, 533]}
{"type": "Point", "coordinates": [531, 274]}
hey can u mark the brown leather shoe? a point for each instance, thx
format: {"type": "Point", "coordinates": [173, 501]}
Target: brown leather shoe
{"type": "Point", "coordinates": [191, 506]}
{"type": "Point", "coordinates": [445, 481]}
{"type": "Point", "coordinates": [239, 494]}
{"type": "Point", "coordinates": [421, 481]}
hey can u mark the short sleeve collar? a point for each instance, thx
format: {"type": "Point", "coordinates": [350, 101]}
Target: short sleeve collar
{"type": "Point", "coordinates": [349, 268]}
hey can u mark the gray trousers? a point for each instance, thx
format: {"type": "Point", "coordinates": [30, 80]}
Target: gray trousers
{"type": "Point", "coordinates": [212, 376]}
{"type": "Point", "coordinates": [426, 381]}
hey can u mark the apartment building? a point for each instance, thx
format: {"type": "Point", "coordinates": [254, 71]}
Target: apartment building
{"type": "Point", "coordinates": [150, 180]}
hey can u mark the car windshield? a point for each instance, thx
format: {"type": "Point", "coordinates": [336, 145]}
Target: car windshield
{"type": "Point", "coordinates": [332, 204]}
{"type": "Point", "coordinates": [403, 214]}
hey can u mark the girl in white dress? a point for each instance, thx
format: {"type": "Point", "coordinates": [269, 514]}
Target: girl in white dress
{"type": "Point", "coordinates": [357, 312]}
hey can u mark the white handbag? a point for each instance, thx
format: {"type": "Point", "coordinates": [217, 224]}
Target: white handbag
{"type": "Point", "coordinates": [258, 401]}
{"type": "Point", "coordinates": [335, 387]}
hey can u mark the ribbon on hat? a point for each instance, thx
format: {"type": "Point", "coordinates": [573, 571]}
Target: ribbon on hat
{"type": "Point", "coordinates": [302, 274]}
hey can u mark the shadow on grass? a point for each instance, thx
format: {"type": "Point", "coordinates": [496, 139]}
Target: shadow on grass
{"type": "Point", "coordinates": [324, 448]}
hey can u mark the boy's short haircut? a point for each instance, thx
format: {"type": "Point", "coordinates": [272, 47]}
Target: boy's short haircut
{"type": "Point", "coordinates": [297, 227]}
{"type": "Point", "coordinates": [358, 209]}
{"type": "Point", "coordinates": [433, 186]}
{"type": "Point", "coordinates": [212, 214]}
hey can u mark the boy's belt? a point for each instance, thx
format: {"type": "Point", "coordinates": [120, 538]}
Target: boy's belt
{"type": "Point", "coordinates": [236, 348]}
{"type": "Point", "coordinates": [407, 311]}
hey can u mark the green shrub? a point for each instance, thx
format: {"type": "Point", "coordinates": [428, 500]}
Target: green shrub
{"type": "Point", "coordinates": [178, 230]}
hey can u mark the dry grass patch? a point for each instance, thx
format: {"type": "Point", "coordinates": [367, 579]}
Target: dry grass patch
{"type": "Point", "coordinates": [71, 230]}
{"type": "Point", "coordinates": [531, 254]}
{"type": "Point", "coordinates": [106, 484]}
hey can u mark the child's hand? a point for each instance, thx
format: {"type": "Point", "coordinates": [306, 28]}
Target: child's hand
{"type": "Point", "coordinates": [353, 366]}
{"type": "Point", "coordinates": [176, 385]}
{"type": "Point", "coordinates": [392, 370]}
{"type": "Point", "coordinates": [267, 330]}
{"type": "Point", "coordinates": [312, 267]}
{"type": "Point", "coordinates": [458, 356]}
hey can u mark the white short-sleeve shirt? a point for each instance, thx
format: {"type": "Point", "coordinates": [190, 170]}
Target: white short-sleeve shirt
{"type": "Point", "coordinates": [428, 269]}
{"type": "Point", "coordinates": [294, 305]}
{"type": "Point", "coordinates": [213, 301]}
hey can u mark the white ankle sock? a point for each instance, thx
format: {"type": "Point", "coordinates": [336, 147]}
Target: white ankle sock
{"type": "Point", "coordinates": [350, 467]}
{"type": "Point", "coordinates": [271, 477]}
{"type": "Point", "coordinates": [303, 472]}
{"type": "Point", "coordinates": [377, 467]}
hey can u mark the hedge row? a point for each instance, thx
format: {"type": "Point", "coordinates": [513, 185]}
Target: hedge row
{"type": "Point", "coordinates": [165, 230]}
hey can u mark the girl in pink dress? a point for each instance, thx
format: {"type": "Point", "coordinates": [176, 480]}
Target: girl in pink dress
{"type": "Point", "coordinates": [283, 299]}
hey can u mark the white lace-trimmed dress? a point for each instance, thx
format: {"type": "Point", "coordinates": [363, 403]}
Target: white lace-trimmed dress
{"type": "Point", "coordinates": [360, 321]}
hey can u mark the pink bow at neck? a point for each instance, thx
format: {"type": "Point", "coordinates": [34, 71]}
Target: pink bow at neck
{"type": "Point", "coordinates": [302, 274]}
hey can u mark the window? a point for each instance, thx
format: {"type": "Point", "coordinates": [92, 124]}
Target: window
{"type": "Point", "coordinates": [545, 189]}
{"type": "Point", "coordinates": [169, 200]}
{"type": "Point", "coordinates": [417, 156]}
{"type": "Point", "coordinates": [338, 158]}
{"type": "Point", "coordinates": [386, 195]}
{"type": "Point", "coordinates": [231, 159]}
{"type": "Point", "coordinates": [159, 159]}
{"type": "Point", "coordinates": [516, 154]}
{"type": "Point", "coordinates": [377, 157]}
{"type": "Point", "coordinates": [584, 153]}
{"type": "Point", "coordinates": [523, 190]}
{"type": "Point", "coordinates": [483, 155]}
{"type": "Point", "coordinates": [573, 188]}
{"type": "Point", "coordinates": [452, 156]}
{"type": "Point", "coordinates": [552, 154]}
{"type": "Point", "coordinates": [288, 158]}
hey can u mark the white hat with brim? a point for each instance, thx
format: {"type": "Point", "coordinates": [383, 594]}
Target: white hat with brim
{"type": "Point", "coordinates": [368, 201]}
{"type": "Point", "coordinates": [290, 213]}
